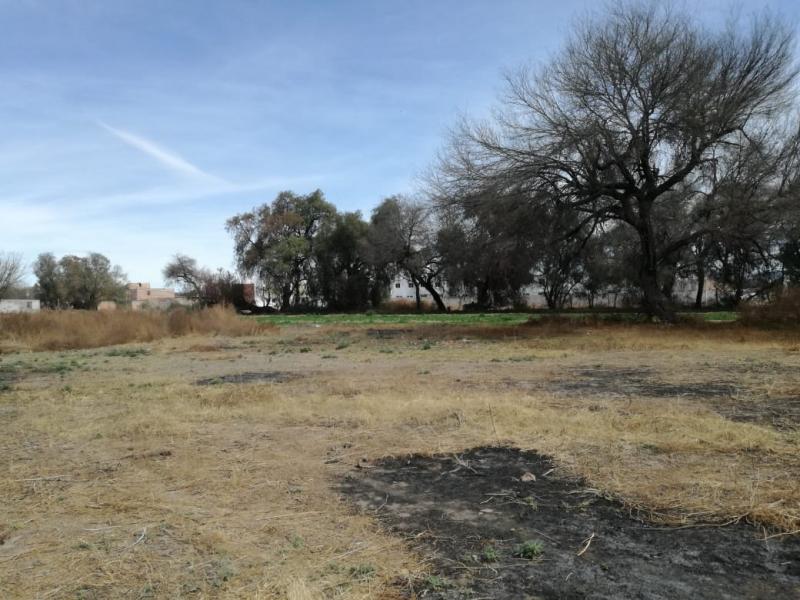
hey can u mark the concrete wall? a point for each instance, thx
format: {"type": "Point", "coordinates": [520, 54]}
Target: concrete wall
{"type": "Point", "coordinates": [19, 306]}
{"type": "Point", "coordinates": [160, 303]}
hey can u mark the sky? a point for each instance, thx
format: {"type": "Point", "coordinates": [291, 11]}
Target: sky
{"type": "Point", "coordinates": [136, 128]}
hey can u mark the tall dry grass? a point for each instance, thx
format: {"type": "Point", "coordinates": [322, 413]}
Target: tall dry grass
{"type": "Point", "coordinates": [73, 329]}
{"type": "Point", "coordinates": [406, 306]}
{"type": "Point", "coordinates": [782, 312]}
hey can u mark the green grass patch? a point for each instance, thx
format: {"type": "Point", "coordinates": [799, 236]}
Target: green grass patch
{"type": "Point", "coordinates": [456, 318]}
{"type": "Point", "coordinates": [395, 319]}
{"type": "Point", "coordinates": [720, 315]}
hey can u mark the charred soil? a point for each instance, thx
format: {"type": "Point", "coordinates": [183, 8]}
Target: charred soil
{"type": "Point", "coordinates": [507, 524]}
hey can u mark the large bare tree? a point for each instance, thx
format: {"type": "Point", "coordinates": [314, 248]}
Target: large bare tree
{"type": "Point", "coordinates": [635, 109]}
{"type": "Point", "coordinates": [12, 270]}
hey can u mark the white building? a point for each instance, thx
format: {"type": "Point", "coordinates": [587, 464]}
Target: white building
{"type": "Point", "coordinates": [19, 306]}
{"type": "Point", "coordinates": [402, 290]}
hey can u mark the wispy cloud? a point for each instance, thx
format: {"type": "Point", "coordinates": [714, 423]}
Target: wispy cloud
{"type": "Point", "coordinates": [165, 157]}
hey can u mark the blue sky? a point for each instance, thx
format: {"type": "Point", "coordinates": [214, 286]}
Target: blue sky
{"type": "Point", "coordinates": [137, 128]}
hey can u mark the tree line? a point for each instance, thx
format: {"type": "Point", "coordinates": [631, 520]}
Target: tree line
{"type": "Point", "coordinates": [648, 151]}
{"type": "Point", "coordinates": [650, 139]}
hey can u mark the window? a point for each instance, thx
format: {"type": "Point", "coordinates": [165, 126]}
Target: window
{"type": "Point", "coordinates": [423, 295]}
{"type": "Point", "coordinates": [411, 284]}
{"type": "Point", "coordinates": [29, 305]}
{"type": "Point", "coordinates": [397, 284]}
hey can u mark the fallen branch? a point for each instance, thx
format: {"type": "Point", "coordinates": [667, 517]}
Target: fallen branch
{"type": "Point", "coordinates": [586, 543]}
{"type": "Point", "coordinates": [777, 535]}
{"type": "Point", "coordinates": [294, 514]}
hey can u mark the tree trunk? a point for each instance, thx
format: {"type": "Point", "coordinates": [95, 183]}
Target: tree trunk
{"type": "Point", "coordinates": [286, 297]}
{"type": "Point", "coordinates": [654, 302]}
{"type": "Point", "coordinates": [435, 295]}
{"type": "Point", "coordinates": [482, 297]}
{"type": "Point", "coordinates": [701, 286]}
{"type": "Point", "coordinates": [416, 291]}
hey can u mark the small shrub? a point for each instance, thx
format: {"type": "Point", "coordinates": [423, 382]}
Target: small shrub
{"type": "Point", "coordinates": [530, 502]}
{"type": "Point", "coordinates": [490, 555]}
{"type": "Point", "coordinates": [530, 549]}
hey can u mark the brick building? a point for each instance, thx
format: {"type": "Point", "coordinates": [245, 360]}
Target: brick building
{"type": "Point", "coordinates": [142, 292]}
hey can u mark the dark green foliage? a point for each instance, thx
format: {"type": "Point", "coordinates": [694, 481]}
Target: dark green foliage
{"type": "Point", "coordinates": [78, 281]}
{"type": "Point", "coordinates": [345, 280]}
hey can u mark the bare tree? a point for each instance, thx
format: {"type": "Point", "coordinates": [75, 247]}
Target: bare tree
{"type": "Point", "coordinates": [403, 234]}
{"type": "Point", "coordinates": [12, 270]}
{"type": "Point", "coordinates": [184, 271]}
{"type": "Point", "coordinates": [634, 108]}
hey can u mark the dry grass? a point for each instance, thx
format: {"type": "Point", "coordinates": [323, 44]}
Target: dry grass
{"type": "Point", "coordinates": [783, 312]}
{"type": "Point", "coordinates": [69, 330]}
{"type": "Point", "coordinates": [126, 480]}
{"type": "Point", "coordinates": [407, 306]}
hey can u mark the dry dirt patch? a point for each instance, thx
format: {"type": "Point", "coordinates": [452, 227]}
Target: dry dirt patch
{"type": "Point", "coordinates": [505, 524]}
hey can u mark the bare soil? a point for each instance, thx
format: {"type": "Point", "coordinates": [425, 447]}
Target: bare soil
{"type": "Point", "coordinates": [472, 514]}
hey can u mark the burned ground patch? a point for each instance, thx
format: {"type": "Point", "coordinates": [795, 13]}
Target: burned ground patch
{"type": "Point", "coordinates": [636, 382]}
{"type": "Point", "coordinates": [782, 413]}
{"type": "Point", "coordinates": [730, 400]}
{"type": "Point", "coordinates": [250, 377]}
{"type": "Point", "coordinates": [505, 524]}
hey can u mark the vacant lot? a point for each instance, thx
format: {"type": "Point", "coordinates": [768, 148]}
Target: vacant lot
{"type": "Point", "coordinates": [327, 459]}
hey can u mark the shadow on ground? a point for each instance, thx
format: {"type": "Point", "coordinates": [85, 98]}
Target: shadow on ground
{"type": "Point", "coordinates": [505, 524]}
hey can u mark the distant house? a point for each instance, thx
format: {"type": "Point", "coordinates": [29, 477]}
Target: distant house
{"type": "Point", "coordinates": [141, 295]}
{"type": "Point", "coordinates": [142, 292]}
{"type": "Point", "coordinates": [20, 306]}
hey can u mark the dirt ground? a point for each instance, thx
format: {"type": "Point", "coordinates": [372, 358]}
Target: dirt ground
{"type": "Point", "coordinates": [212, 467]}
